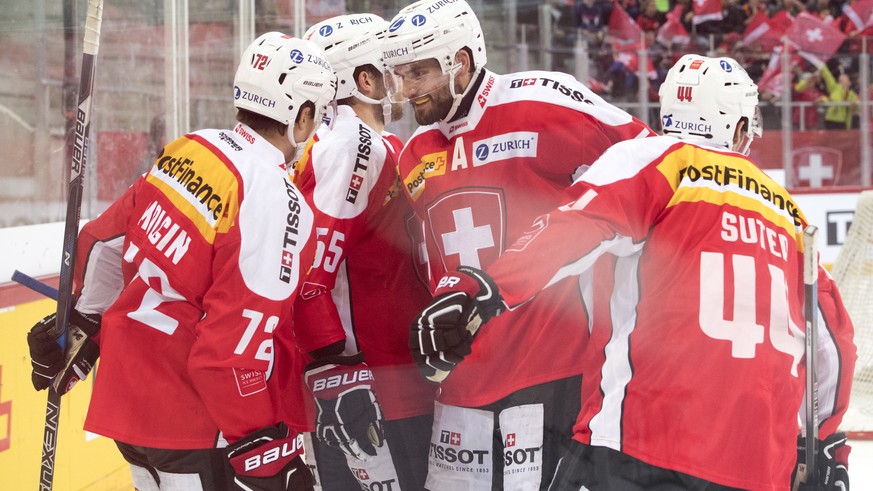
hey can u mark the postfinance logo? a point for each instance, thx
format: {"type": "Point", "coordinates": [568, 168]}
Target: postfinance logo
{"type": "Point", "coordinates": [431, 165]}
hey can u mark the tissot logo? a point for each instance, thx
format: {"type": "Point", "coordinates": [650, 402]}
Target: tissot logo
{"type": "Point", "coordinates": [450, 437]}
{"type": "Point", "coordinates": [325, 31]}
{"type": "Point", "coordinates": [296, 56]}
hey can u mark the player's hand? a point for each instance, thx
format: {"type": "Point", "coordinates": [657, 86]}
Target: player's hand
{"type": "Point", "coordinates": [270, 459]}
{"type": "Point", "coordinates": [65, 365]}
{"type": "Point", "coordinates": [831, 464]}
{"type": "Point", "coordinates": [348, 416]}
{"type": "Point", "coordinates": [442, 334]}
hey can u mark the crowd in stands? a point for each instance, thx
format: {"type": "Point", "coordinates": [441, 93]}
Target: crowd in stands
{"type": "Point", "coordinates": [824, 73]}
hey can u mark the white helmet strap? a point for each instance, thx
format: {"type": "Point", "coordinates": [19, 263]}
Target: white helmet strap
{"type": "Point", "coordinates": [457, 98]}
{"type": "Point", "coordinates": [385, 102]}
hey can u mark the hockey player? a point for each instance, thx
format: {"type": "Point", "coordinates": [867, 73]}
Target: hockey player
{"type": "Point", "coordinates": [193, 269]}
{"type": "Point", "coordinates": [695, 367]}
{"type": "Point", "coordinates": [494, 152]}
{"type": "Point", "coordinates": [353, 312]}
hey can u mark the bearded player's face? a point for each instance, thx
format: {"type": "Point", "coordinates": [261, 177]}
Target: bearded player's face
{"type": "Point", "coordinates": [426, 88]}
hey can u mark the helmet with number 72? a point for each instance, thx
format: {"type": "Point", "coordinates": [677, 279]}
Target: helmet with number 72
{"type": "Point", "coordinates": [704, 99]}
{"type": "Point", "coordinates": [277, 74]}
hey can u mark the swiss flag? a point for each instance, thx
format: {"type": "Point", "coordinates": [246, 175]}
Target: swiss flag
{"type": "Point", "coordinates": [757, 27]}
{"type": "Point", "coordinates": [815, 39]}
{"type": "Point", "coordinates": [672, 31]}
{"type": "Point", "coordinates": [622, 27]}
{"type": "Point", "coordinates": [860, 12]}
{"type": "Point", "coordinates": [706, 10]}
{"type": "Point", "coordinates": [629, 57]}
{"type": "Point", "coordinates": [767, 32]}
{"type": "Point", "coordinates": [771, 79]}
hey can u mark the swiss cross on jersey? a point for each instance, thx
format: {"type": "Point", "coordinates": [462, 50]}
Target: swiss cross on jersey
{"type": "Point", "coordinates": [468, 226]}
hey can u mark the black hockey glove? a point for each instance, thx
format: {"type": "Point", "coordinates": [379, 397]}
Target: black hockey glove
{"type": "Point", "coordinates": [270, 459]}
{"type": "Point", "coordinates": [442, 334]}
{"type": "Point", "coordinates": [831, 464]}
{"type": "Point", "coordinates": [348, 416]}
{"type": "Point", "coordinates": [70, 364]}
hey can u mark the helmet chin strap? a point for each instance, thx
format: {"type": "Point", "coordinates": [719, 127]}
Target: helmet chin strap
{"type": "Point", "coordinates": [385, 102]}
{"type": "Point", "coordinates": [457, 98]}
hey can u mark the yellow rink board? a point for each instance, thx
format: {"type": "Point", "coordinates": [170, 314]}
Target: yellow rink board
{"type": "Point", "coordinates": [84, 461]}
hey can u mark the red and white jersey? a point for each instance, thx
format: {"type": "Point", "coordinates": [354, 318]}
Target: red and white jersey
{"type": "Point", "coordinates": [194, 268]}
{"type": "Point", "coordinates": [478, 182]}
{"type": "Point", "coordinates": [695, 363]}
{"type": "Point", "coordinates": [362, 287]}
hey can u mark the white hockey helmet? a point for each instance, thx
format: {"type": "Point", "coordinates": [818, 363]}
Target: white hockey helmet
{"type": "Point", "coordinates": [350, 41]}
{"type": "Point", "coordinates": [704, 99]}
{"type": "Point", "coordinates": [277, 74]}
{"type": "Point", "coordinates": [434, 29]}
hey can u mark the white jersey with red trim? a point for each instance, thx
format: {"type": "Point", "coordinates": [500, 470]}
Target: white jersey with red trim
{"type": "Point", "coordinates": [194, 268]}
{"type": "Point", "coordinates": [362, 287]}
{"type": "Point", "coordinates": [695, 358]}
{"type": "Point", "coordinates": [478, 182]}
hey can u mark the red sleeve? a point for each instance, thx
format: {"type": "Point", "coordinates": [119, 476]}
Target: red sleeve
{"type": "Point", "coordinates": [98, 276]}
{"type": "Point", "coordinates": [837, 355]}
{"type": "Point", "coordinates": [615, 217]}
{"type": "Point", "coordinates": [317, 322]}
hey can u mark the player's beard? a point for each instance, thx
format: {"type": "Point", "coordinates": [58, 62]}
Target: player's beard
{"type": "Point", "coordinates": [436, 108]}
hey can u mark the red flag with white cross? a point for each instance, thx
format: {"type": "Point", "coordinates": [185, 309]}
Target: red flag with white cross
{"type": "Point", "coordinates": [815, 39]}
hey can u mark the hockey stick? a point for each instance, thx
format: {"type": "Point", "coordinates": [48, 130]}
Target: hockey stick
{"type": "Point", "coordinates": [806, 470]}
{"type": "Point", "coordinates": [71, 228]}
{"type": "Point", "coordinates": [34, 284]}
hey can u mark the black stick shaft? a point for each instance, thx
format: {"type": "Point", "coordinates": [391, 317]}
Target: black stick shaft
{"type": "Point", "coordinates": [71, 227]}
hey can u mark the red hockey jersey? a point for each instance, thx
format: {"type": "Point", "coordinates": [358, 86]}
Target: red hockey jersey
{"type": "Point", "coordinates": [696, 361]}
{"type": "Point", "coordinates": [194, 268]}
{"type": "Point", "coordinates": [362, 287]}
{"type": "Point", "coordinates": [478, 182]}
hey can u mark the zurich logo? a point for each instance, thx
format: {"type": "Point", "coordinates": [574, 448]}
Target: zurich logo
{"type": "Point", "coordinates": [667, 120]}
{"type": "Point", "coordinates": [236, 92]}
{"type": "Point", "coordinates": [296, 56]}
{"type": "Point", "coordinates": [726, 66]}
{"type": "Point", "coordinates": [482, 152]}
{"type": "Point", "coordinates": [418, 20]}
{"type": "Point", "coordinates": [396, 25]}
{"type": "Point", "coordinates": [326, 31]}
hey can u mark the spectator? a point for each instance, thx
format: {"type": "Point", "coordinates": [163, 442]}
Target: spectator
{"type": "Point", "coordinates": [806, 89]}
{"type": "Point", "coordinates": [591, 21]}
{"type": "Point", "coordinates": [650, 20]}
{"type": "Point", "coordinates": [839, 89]}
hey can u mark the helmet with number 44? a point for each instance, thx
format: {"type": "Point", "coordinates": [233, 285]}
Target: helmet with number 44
{"type": "Point", "coordinates": [706, 99]}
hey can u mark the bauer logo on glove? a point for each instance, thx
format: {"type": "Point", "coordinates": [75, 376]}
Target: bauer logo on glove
{"type": "Point", "coordinates": [348, 416]}
{"type": "Point", "coordinates": [347, 377]}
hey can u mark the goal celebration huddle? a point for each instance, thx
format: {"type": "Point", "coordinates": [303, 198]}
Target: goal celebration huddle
{"type": "Point", "coordinates": [534, 291]}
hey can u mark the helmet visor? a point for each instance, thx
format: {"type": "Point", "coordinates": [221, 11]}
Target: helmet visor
{"type": "Point", "coordinates": [417, 80]}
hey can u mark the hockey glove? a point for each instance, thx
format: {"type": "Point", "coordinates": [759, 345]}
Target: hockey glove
{"type": "Point", "coordinates": [442, 334]}
{"type": "Point", "coordinates": [270, 459]}
{"type": "Point", "coordinates": [348, 416]}
{"type": "Point", "coordinates": [69, 365]}
{"type": "Point", "coordinates": [831, 464]}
